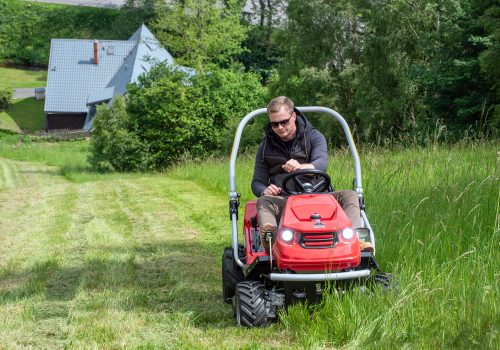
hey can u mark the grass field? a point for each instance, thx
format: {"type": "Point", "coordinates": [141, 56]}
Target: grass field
{"type": "Point", "coordinates": [133, 260]}
{"type": "Point", "coordinates": [27, 113]}
{"type": "Point", "coordinates": [24, 114]}
{"type": "Point", "coordinates": [14, 78]}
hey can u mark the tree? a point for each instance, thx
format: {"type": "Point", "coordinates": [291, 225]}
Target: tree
{"type": "Point", "coordinates": [322, 51]}
{"type": "Point", "coordinates": [388, 94]}
{"type": "Point", "coordinates": [488, 59]}
{"type": "Point", "coordinates": [459, 90]}
{"type": "Point", "coordinates": [394, 67]}
{"type": "Point", "coordinates": [264, 21]}
{"type": "Point", "coordinates": [200, 32]}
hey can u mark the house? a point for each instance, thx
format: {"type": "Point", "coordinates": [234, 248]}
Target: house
{"type": "Point", "coordinates": [85, 73]}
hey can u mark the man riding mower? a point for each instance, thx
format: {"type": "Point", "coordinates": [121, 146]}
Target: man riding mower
{"type": "Point", "coordinates": [300, 234]}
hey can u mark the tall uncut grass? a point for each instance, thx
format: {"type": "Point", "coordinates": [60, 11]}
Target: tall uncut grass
{"type": "Point", "coordinates": [435, 213]}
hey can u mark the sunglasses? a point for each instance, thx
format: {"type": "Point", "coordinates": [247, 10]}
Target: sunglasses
{"type": "Point", "coordinates": [283, 123]}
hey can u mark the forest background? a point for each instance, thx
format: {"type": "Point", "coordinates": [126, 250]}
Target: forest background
{"type": "Point", "coordinates": [399, 71]}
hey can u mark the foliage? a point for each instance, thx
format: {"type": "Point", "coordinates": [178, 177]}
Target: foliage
{"type": "Point", "coordinates": [394, 68]}
{"type": "Point", "coordinates": [488, 59]}
{"type": "Point", "coordinates": [322, 46]}
{"type": "Point", "coordinates": [5, 98]}
{"type": "Point", "coordinates": [204, 104]}
{"type": "Point", "coordinates": [200, 32]}
{"type": "Point", "coordinates": [262, 52]}
{"type": "Point", "coordinates": [27, 27]}
{"type": "Point", "coordinates": [154, 133]}
{"type": "Point", "coordinates": [114, 145]}
{"type": "Point", "coordinates": [458, 89]}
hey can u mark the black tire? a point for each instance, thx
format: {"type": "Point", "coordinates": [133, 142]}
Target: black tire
{"type": "Point", "coordinates": [231, 275]}
{"type": "Point", "coordinates": [385, 281]}
{"type": "Point", "coordinates": [250, 307]}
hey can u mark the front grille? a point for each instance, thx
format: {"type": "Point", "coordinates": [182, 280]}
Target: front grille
{"type": "Point", "coordinates": [318, 240]}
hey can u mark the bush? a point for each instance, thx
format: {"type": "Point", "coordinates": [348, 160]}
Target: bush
{"type": "Point", "coordinates": [114, 145]}
{"type": "Point", "coordinates": [233, 94]}
{"type": "Point", "coordinates": [179, 116]}
{"type": "Point", "coordinates": [5, 98]}
{"type": "Point", "coordinates": [171, 115]}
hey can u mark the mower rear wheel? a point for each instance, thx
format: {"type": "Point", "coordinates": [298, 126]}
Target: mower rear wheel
{"type": "Point", "coordinates": [231, 275]}
{"type": "Point", "coordinates": [250, 306]}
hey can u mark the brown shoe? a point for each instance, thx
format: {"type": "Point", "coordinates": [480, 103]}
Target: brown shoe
{"type": "Point", "coordinates": [264, 231]}
{"type": "Point", "coordinates": [367, 247]}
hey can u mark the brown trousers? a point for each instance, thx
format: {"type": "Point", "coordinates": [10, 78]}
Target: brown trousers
{"type": "Point", "coordinates": [269, 208]}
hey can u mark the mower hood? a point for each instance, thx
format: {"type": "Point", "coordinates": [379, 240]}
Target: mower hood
{"type": "Point", "coordinates": [314, 212]}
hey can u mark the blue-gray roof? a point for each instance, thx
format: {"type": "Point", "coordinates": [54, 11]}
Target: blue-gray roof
{"type": "Point", "coordinates": [101, 95]}
{"type": "Point", "coordinates": [74, 82]}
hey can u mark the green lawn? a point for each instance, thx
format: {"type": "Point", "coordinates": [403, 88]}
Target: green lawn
{"type": "Point", "coordinates": [133, 260]}
{"type": "Point", "coordinates": [23, 114]}
{"type": "Point", "coordinates": [14, 78]}
{"type": "Point", "coordinates": [27, 113]}
{"type": "Point", "coordinates": [7, 123]}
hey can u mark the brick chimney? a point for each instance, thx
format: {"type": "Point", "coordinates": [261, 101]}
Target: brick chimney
{"type": "Point", "coordinates": [96, 51]}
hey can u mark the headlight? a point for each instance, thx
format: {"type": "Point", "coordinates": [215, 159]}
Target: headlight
{"type": "Point", "coordinates": [347, 234]}
{"type": "Point", "coordinates": [287, 235]}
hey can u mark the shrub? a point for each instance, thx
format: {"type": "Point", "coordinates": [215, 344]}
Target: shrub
{"type": "Point", "coordinates": [114, 145]}
{"type": "Point", "coordinates": [178, 115]}
{"type": "Point", "coordinates": [171, 115]}
{"type": "Point", "coordinates": [5, 98]}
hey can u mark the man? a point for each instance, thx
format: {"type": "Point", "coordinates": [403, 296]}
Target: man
{"type": "Point", "coordinates": [290, 144]}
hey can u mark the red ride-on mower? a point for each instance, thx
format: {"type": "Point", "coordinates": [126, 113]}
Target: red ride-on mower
{"type": "Point", "coordinates": [315, 243]}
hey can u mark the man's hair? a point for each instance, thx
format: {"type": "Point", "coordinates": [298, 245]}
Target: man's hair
{"type": "Point", "coordinates": [276, 104]}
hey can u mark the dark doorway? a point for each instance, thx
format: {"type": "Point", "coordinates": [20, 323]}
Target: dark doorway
{"type": "Point", "coordinates": [65, 120]}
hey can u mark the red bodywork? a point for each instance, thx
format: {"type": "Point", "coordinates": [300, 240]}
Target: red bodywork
{"type": "Point", "coordinates": [314, 247]}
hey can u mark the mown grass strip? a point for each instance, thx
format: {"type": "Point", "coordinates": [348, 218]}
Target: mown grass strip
{"type": "Point", "coordinates": [130, 266]}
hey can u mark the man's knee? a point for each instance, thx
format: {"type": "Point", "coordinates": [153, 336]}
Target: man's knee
{"type": "Point", "coordinates": [273, 202]}
{"type": "Point", "coordinates": [261, 201]}
{"type": "Point", "coordinates": [348, 198]}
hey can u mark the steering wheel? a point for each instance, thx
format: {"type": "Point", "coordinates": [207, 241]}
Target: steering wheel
{"type": "Point", "coordinates": [307, 187]}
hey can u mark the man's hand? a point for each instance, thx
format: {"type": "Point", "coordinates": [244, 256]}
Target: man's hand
{"type": "Point", "coordinates": [292, 165]}
{"type": "Point", "coordinates": [272, 190]}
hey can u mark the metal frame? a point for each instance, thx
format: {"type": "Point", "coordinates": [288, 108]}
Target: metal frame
{"type": "Point", "coordinates": [234, 197]}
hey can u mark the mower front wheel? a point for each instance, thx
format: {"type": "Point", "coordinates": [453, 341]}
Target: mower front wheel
{"type": "Point", "coordinates": [250, 305]}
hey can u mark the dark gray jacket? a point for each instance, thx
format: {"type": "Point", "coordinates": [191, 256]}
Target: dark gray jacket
{"type": "Point", "coordinates": [309, 146]}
